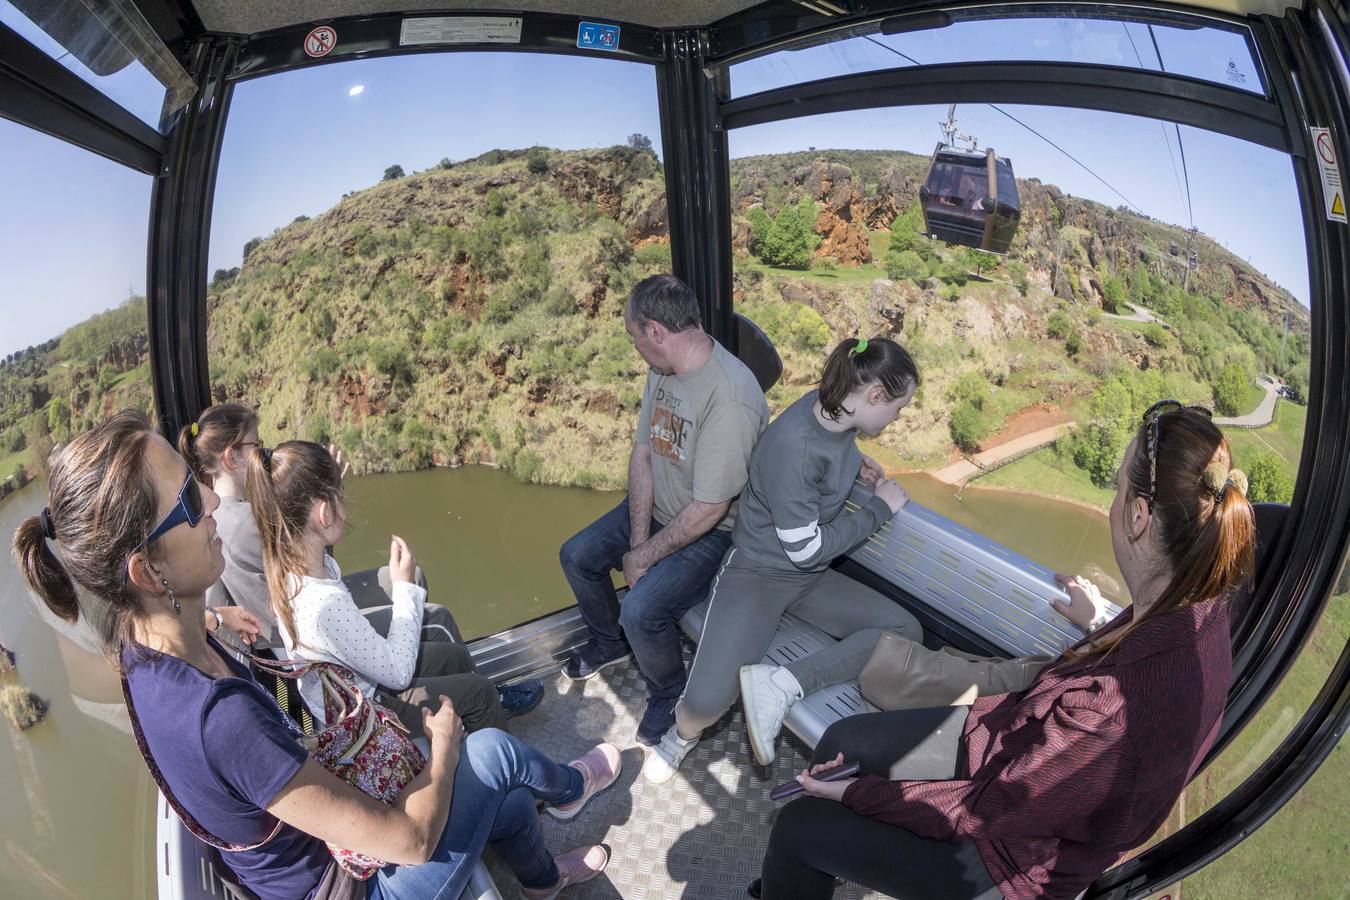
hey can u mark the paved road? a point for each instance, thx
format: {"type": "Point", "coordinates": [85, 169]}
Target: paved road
{"type": "Point", "coordinates": [963, 471]}
{"type": "Point", "coordinates": [1140, 314]}
{"type": "Point", "coordinates": [1264, 412]}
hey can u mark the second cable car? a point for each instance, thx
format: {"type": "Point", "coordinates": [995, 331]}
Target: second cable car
{"type": "Point", "coordinates": [969, 197]}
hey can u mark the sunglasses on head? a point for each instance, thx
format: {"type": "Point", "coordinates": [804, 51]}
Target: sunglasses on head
{"type": "Point", "coordinates": [1151, 417]}
{"type": "Point", "coordinates": [188, 509]}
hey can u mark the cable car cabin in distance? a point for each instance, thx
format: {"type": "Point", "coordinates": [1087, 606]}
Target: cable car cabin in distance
{"type": "Point", "coordinates": [970, 198]}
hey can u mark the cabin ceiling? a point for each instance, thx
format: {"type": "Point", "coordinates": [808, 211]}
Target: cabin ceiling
{"type": "Point", "coordinates": [254, 16]}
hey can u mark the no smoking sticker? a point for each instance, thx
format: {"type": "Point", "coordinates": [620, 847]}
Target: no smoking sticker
{"type": "Point", "coordinates": [320, 41]}
{"type": "Point", "coordinates": [1333, 192]}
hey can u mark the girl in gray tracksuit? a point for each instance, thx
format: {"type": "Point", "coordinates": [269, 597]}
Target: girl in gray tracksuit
{"type": "Point", "coordinates": [791, 525]}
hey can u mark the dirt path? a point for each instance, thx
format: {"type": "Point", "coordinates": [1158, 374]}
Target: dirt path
{"type": "Point", "coordinates": [1264, 413]}
{"type": "Point", "coordinates": [994, 457]}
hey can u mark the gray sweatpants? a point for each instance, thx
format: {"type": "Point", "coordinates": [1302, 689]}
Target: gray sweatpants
{"type": "Point", "coordinates": [744, 608]}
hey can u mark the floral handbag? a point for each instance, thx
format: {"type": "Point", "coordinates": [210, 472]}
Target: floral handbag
{"type": "Point", "coordinates": [366, 746]}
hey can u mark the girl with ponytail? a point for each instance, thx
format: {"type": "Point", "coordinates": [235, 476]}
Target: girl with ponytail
{"type": "Point", "coordinates": [137, 531]}
{"type": "Point", "coordinates": [296, 497]}
{"type": "Point", "coordinates": [1047, 787]}
{"type": "Point", "coordinates": [791, 525]}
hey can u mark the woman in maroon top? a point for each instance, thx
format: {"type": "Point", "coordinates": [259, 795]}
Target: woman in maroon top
{"type": "Point", "coordinates": [1051, 785]}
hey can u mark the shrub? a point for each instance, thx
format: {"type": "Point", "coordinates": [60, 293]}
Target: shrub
{"type": "Point", "coordinates": [536, 161]}
{"type": "Point", "coordinates": [1155, 335]}
{"type": "Point", "coordinates": [1113, 294]}
{"type": "Point", "coordinates": [826, 264]}
{"type": "Point", "coordinates": [321, 363]}
{"type": "Point", "coordinates": [1269, 479]}
{"type": "Point", "coordinates": [1074, 343]}
{"type": "Point", "coordinates": [969, 388]}
{"type": "Point", "coordinates": [1058, 325]}
{"type": "Point", "coordinates": [907, 230]}
{"type": "Point", "coordinates": [1230, 390]}
{"type": "Point", "coordinates": [367, 245]}
{"type": "Point", "coordinates": [390, 357]}
{"type": "Point", "coordinates": [967, 427]}
{"type": "Point", "coordinates": [808, 330]}
{"type": "Point", "coordinates": [58, 418]}
{"type": "Point", "coordinates": [251, 246]}
{"type": "Point", "coordinates": [324, 325]}
{"type": "Point", "coordinates": [791, 237]}
{"type": "Point", "coordinates": [392, 173]}
{"type": "Point", "coordinates": [906, 264]}
{"type": "Point", "coordinates": [445, 163]}
{"type": "Point", "coordinates": [654, 255]}
{"type": "Point", "coordinates": [950, 292]}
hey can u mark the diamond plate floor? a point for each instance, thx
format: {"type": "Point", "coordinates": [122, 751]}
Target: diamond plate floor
{"type": "Point", "coordinates": [699, 836]}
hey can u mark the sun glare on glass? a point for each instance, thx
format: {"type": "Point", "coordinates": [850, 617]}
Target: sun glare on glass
{"type": "Point", "coordinates": [356, 90]}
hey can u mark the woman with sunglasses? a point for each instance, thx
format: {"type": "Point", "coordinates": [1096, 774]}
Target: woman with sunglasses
{"type": "Point", "coordinates": [1046, 788]}
{"type": "Point", "coordinates": [118, 499]}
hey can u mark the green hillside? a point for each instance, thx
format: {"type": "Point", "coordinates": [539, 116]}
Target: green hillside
{"type": "Point", "coordinates": [472, 313]}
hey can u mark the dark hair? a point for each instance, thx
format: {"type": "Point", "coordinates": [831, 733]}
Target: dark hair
{"type": "Point", "coordinates": [283, 485]}
{"type": "Point", "coordinates": [219, 428]}
{"type": "Point", "coordinates": [665, 299]}
{"type": "Point", "coordinates": [1208, 536]}
{"type": "Point", "coordinates": [881, 360]}
{"type": "Point", "coordinates": [101, 503]}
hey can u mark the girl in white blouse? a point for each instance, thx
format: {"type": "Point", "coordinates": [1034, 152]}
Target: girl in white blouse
{"type": "Point", "coordinates": [296, 494]}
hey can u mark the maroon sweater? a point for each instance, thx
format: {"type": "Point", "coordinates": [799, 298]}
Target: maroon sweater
{"type": "Point", "coordinates": [1083, 765]}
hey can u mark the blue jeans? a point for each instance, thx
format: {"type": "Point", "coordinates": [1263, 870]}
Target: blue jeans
{"type": "Point", "coordinates": [496, 784]}
{"type": "Point", "coordinates": [650, 613]}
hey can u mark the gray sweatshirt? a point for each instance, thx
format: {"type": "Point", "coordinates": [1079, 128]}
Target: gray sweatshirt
{"type": "Point", "coordinates": [244, 577]}
{"type": "Point", "coordinates": [800, 475]}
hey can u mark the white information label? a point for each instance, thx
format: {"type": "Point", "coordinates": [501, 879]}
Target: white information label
{"type": "Point", "coordinates": [460, 30]}
{"type": "Point", "coordinates": [1332, 189]}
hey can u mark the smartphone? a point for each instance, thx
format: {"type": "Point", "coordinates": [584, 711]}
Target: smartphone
{"type": "Point", "coordinates": [844, 770]}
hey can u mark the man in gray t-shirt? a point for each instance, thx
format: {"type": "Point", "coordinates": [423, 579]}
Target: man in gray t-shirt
{"type": "Point", "coordinates": [702, 411]}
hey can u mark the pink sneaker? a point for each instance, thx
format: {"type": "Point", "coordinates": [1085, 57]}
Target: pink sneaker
{"type": "Point", "coordinates": [599, 769]}
{"type": "Point", "coordinates": [574, 867]}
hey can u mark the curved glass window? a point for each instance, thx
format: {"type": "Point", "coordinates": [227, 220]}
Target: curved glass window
{"type": "Point", "coordinates": [1211, 52]}
{"type": "Point", "coordinates": [73, 349]}
{"type": "Point", "coordinates": [1038, 361]}
{"type": "Point", "coordinates": [424, 259]}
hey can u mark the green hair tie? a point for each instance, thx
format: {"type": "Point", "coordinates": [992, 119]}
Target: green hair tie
{"type": "Point", "coordinates": [861, 347]}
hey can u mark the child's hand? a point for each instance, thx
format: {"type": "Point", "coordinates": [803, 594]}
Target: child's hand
{"type": "Point", "coordinates": [872, 472]}
{"type": "Point", "coordinates": [889, 490]}
{"type": "Point", "coordinates": [402, 565]}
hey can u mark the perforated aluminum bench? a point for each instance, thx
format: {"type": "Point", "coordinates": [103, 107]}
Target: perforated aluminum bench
{"type": "Point", "coordinates": [990, 589]}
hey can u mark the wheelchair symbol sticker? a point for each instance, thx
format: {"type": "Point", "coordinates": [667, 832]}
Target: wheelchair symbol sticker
{"type": "Point", "coordinates": [595, 36]}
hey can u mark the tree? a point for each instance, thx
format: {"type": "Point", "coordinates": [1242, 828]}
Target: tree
{"type": "Point", "coordinates": [640, 142]}
{"type": "Point", "coordinates": [907, 230]}
{"type": "Point", "coordinates": [536, 161]}
{"type": "Point", "coordinates": [445, 163]}
{"type": "Point", "coordinates": [251, 246]}
{"type": "Point", "coordinates": [1230, 390]}
{"type": "Point", "coordinates": [393, 173]}
{"type": "Point", "coordinates": [790, 237]}
{"type": "Point", "coordinates": [1113, 294]}
{"type": "Point", "coordinates": [1268, 479]}
{"type": "Point", "coordinates": [58, 418]}
{"type": "Point", "coordinates": [906, 264]}
{"type": "Point", "coordinates": [967, 426]}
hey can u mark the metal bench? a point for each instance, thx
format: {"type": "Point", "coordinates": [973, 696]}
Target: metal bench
{"type": "Point", "coordinates": [992, 591]}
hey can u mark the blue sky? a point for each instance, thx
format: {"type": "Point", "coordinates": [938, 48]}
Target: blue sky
{"type": "Point", "coordinates": [296, 142]}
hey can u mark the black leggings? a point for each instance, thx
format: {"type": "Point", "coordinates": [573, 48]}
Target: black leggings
{"type": "Point", "coordinates": [814, 840]}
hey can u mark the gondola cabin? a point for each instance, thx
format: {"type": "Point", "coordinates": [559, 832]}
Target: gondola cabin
{"type": "Point", "coordinates": [970, 198]}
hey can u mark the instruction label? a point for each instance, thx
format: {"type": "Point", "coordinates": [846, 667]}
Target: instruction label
{"type": "Point", "coordinates": [597, 36]}
{"type": "Point", "coordinates": [460, 30]}
{"type": "Point", "coordinates": [1332, 190]}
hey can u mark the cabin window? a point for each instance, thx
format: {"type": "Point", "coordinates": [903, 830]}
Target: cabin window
{"type": "Point", "coordinates": [1052, 350]}
{"type": "Point", "coordinates": [424, 259]}
{"type": "Point", "coordinates": [77, 40]}
{"type": "Point", "coordinates": [1208, 50]}
{"type": "Point", "coordinates": [72, 290]}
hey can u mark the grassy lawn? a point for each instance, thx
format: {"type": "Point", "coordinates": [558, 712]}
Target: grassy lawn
{"type": "Point", "coordinates": [1294, 854]}
{"type": "Point", "coordinates": [1283, 436]}
{"type": "Point", "coordinates": [1255, 395]}
{"type": "Point", "coordinates": [839, 275]}
{"type": "Point", "coordinates": [9, 461]}
{"type": "Point", "coordinates": [1045, 473]}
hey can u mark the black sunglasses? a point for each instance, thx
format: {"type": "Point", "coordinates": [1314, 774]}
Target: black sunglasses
{"type": "Point", "coordinates": [188, 509]}
{"type": "Point", "coordinates": [1151, 417]}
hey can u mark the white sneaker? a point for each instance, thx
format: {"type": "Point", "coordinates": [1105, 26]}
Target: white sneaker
{"type": "Point", "coordinates": [767, 693]}
{"type": "Point", "coordinates": [665, 758]}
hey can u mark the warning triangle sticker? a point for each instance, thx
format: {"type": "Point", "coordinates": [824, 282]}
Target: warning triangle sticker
{"type": "Point", "coordinates": [1337, 206]}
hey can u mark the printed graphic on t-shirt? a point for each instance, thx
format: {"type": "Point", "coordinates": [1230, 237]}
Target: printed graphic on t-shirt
{"type": "Point", "coordinates": [669, 434]}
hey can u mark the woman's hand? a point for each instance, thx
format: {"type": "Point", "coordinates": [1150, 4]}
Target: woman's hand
{"type": "Point", "coordinates": [402, 565]}
{"type": "Point", "coordinates": [343, 467]}
{"type": "Point", "coordinates": [237, 619]}
{"type": "Point", "coordinates": [1086, 603]}
{"type": "Point", "coordinates": [890, 491]}
{"type": "Point", "coordinates": [871, 472]}
{"type": "Point", "coordinates": [830, 790]}
{"type": "Point", "coordinates": [444, 725]}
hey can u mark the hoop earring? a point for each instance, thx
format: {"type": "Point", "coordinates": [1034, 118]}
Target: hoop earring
{"type": "Point", "coordinates": [177, 607]}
